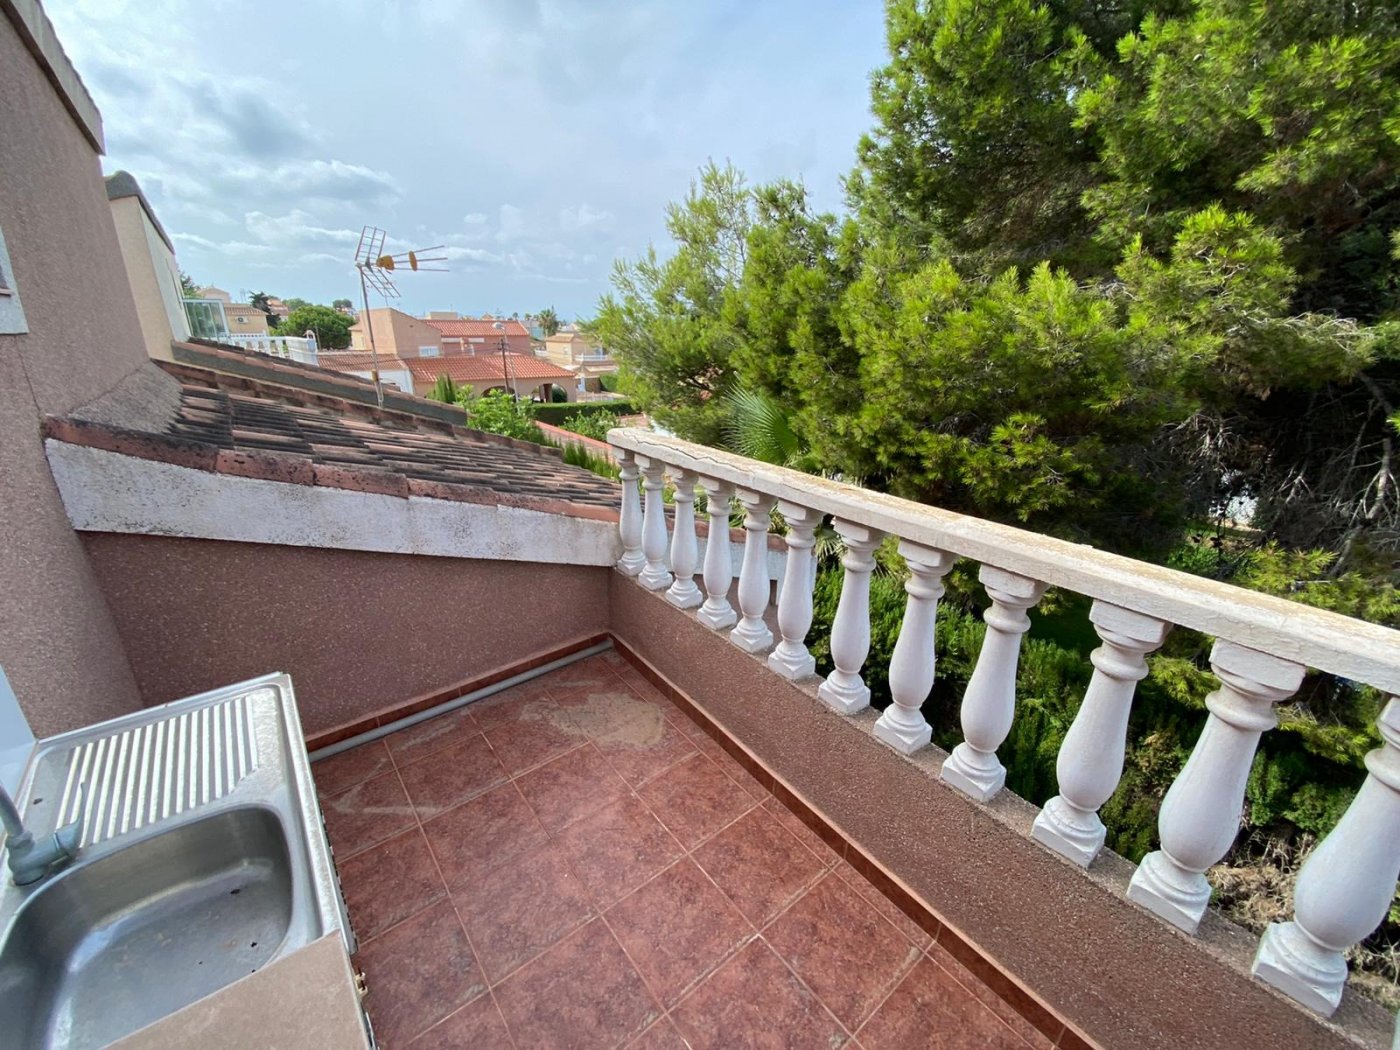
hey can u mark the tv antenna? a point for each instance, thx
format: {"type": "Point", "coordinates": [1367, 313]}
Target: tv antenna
{"type": "Point", "coordinates": [376, 268]}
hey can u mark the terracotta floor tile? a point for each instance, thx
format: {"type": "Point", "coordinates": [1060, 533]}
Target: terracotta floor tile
{"type": "Point", "coordinates": [478, 1024]}
{"type": "Point", "coordinates": [343, 771]}
{"type": "Point", "coordinates": [759, 865]}
{"type": "Point", "coordinates": [419, 972]}
{"type": "Point", "coordinates": [387, 883]}
{"type": "Point", "coordinates": [407, 745]}
{"type": "Point", "coordinates": [600, 710]}
{"type": "Point", "coordinates": [727, 762]}
{"type": "Point", "coordinates": [581, 994]}
{"type": "Point", "coordinates": [886, 907]}
{"type": "Point", "coordinates": [805, 835]}
{"type": "Point", "coordinates": [488, 832]}
{"type": "Point", "coordinates": [644, 747]}
{"type": "Point", "coordinates": [753, 1002]}
{"type": "Point", "coordinates": [510, 704]}
{"type": "Point", "coordinates": [639, 684]}
{"type": "Point", "coordinates": [842, 948]}
{"type": "Point", "coordinates": [571, 786]}
{"type": "Point", "coordinates": [931, 1009]}
{"type": "Point", "coordinates": [542, 732]}
{"type": "Point", "coordinates": [677, 928]}
{"type": "Point", "coordinates": [592, 671]}
{"type": "Point", "coordinates": [618, 848]}
{"type": "Point", "coordinates": [513, 913]}
{"type": "Point", "coordinates": [694, 799]}
{"type": "Point", "coordinates": [449, 777]}
{"type": "Point", "coordinates": [367, 813]}
{"type": "Point", "coordinates": [660, 1036]}
{"type": "Point", "coordinates": [988, 998]}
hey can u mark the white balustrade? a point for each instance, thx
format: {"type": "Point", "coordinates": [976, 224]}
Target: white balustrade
{"type": "Point", "coordinates": [1345, 888]}
{"type": "Point", "coordinates": [683, 593]}
{"type": "Point", "coordinates": [989, 705]}
{"type": "Point", "coordinates": [902, 724]}
{"type": "Point", "coordinates": [629, 526]}
{"type": "Point", "coordinates": [1090, 762]}
{"type": "Point", "coordinates": [844, 689]}
{"type": "Point", "coordinates": [752, 634]}
{"type": "Point", "coordinates": [1200, 815]}
{"type": "Point", "coordinates": [654, 576]}
{"type": "Point", "coordinates": [717, 613]}
{"type": "Point", "coordinates": [790, 658]}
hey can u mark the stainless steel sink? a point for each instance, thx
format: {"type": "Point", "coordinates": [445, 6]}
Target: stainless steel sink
{"type": "Point", "coordinates": [202, 859]}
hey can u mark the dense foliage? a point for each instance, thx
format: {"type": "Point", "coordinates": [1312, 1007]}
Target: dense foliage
{"type": "Point", "coordinates": [332, 327]}
{"type": "Point", "coordinates": [1125, 273]}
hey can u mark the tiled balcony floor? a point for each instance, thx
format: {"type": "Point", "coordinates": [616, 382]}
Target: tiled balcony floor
{"type": "Point", "coordinates": [573, 863]}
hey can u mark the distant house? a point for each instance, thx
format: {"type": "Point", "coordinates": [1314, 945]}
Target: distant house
{"type": "Point", "coordinates": [241, 318]}
{"type": "Point", "coordinates": [524, 375]}
{"type": "Point", "coordinates": [396, 334]}
{"type": "Point", "coordinates": [581, 354]}
{"type": "Point", "coordinates": [470, 335]}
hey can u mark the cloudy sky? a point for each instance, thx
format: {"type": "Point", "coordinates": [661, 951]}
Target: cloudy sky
{"type": "Point", "coordinates": [538, 139]}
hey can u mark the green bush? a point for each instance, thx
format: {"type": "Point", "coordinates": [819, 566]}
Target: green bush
{"type": "Point", "coordinates": [594, 426]}
{"type": "Point", "coordinates": [556, 414]}
{"type": "Point", "coordinates": [499, 413]}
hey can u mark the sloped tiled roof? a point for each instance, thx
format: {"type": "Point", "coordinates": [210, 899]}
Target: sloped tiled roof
{"type": "Point", "coordinates": [468, 327]}
{"type": "Point", "coordinates": [340, 362]}
{"type": "Point", "coordinates": [230, 425]}
{"type": "Point", "coordinates": [476, 368]}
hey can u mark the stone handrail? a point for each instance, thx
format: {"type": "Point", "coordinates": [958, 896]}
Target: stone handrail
{"type": "Point", "coordinates": [1264, 646]}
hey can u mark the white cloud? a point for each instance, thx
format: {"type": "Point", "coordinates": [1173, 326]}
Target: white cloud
{"type": "Point", "coordinates": [583, 218]}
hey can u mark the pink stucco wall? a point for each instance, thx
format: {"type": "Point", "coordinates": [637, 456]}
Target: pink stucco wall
{"type": "Point", "coordinates": [58, 643]}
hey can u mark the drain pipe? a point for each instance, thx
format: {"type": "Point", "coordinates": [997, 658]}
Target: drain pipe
{"type": "Point", "coordinates": [461, 701]}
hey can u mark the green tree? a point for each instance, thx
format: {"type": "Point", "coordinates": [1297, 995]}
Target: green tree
{"type": "Point", "coordinates": [664, 318]}
{"type": "Point", "coordinates": [332, 328]}
{"type": "Point", "coordinates": [548, 321]}
{"type": "Point", "coordinates": [342, 304]}
{"type": "Point", "coordinates": [188, 288]}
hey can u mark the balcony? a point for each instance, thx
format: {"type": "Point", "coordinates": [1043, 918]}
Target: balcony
{"type": "Point", "coordinates": [549, 735]}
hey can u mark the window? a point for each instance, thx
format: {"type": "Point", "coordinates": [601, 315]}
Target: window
{"type": "Point", "coordinates": [427, 351]}
{"type": "Point", "coordinates": [12, 320]}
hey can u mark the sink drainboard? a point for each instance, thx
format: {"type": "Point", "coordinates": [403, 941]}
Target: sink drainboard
{"type": "Point", "coordinates": [144, 775]}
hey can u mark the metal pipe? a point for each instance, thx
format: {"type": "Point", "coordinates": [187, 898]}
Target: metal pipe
{"type": "Point", "coordinates": [369, 736]}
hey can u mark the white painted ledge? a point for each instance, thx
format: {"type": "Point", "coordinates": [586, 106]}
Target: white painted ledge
{"type": "Point", "coordinates": [108, 492]}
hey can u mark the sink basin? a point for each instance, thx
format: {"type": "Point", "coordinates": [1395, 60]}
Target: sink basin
{"type": "Point", "coordinates": [201, 859]}
{"type": "Point", "coordinates": [107, 947]}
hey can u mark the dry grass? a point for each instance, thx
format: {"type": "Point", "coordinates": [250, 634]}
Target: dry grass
{"type": "Point", "coordinates": [1255, 888]}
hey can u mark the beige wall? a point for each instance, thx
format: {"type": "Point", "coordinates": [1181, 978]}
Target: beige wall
{"type": "Point", "coordinates": [58, 642]}
{"type": "Point", "coordinates": [154, 277]}
{"type": "Point", "coordinates": [245, 319]}
{"type": "Point", "coordinates": [396, 334]}
{"type": "Point", "coordinates": [1121, 975]}
{"type": "Point", "coordinates": [357, 631]}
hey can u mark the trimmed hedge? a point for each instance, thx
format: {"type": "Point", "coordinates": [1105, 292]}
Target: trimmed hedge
{"type": "Point", "coordinates": [556, 414]}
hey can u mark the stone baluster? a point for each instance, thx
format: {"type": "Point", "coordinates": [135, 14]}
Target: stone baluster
{"type": "Point", "coordinates": [791, 658]}
{"type": "Point", "coordinates": [1201, 814]}
{"type": "Point", "coordinates": [844, 689]}
{"type": "Point", "coordinates": [989, 705]}
{"type": "Point", "coordinates": [752, 634]}
{"type": "Point", "coordinates": [902, 724]}
{"type": "Point", "coordinates": [683, 593]}
{"type": "Point", "coordinates": [629, 526]}
{"type": "Point", "coordinates": [717, 613]}
{"type": "Point", "coordinates": [1090, 763]}
{"type": "Point", "coordinates": [655, 576]}
{"type": "Point", "coordinates": [1345, 888]}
